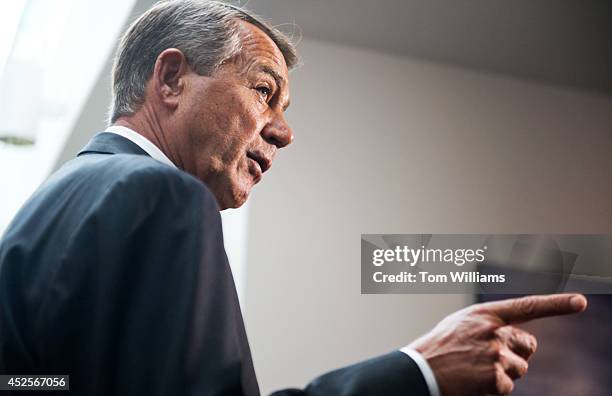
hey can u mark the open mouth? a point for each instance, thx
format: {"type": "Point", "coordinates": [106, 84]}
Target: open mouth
{"type": "Point", "coordinates": [262, 162]}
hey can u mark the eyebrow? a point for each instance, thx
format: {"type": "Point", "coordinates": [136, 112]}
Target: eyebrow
{"type": "Point", "coordinates": [280, 80]}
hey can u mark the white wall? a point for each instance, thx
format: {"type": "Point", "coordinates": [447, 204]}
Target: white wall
{"type": "Point", "coordinates": [393, 145]}
{"type": "Point", "coordinates": [48, 87]}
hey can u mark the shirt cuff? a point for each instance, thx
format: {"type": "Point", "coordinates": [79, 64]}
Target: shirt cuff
{"type": "Point", "coordinates": [428, 374]}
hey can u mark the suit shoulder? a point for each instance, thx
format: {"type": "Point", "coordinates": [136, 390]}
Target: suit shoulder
{"type": "Point", "coordinates": [143, 169]}
{"type": "Point", "coordinates": [119, 166]}
{"type": "Point", "coordinates": [136, 175]}
{"type": "Point", "coordinates": [150, 176]}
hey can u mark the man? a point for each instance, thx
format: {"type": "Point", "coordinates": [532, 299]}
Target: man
{"type": "Point", "coordinates": [114, 271]}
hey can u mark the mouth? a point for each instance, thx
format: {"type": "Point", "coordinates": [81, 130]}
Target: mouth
{"type": "Point", "coordinates": [262, 162]}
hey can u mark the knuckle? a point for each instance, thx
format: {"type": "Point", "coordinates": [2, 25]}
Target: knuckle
{"type": "Point", "coordinates": [504, 362]}
{"type": "Point", "coordinates": [558, 304]}
{"type": "Point", "coordinates": [475, 309]}
{"type": "Point", "coordinates": [514, 336]}
{"type": "Point", "coordinates": [497, 374]}
{"type": "Point", "coordinates": [503, 333]}
{"type": "Point", "coordinates": [524, 341]}
{"type": "Point", "coordinates": [528, 343]}
{"type": "Point", "coordinates": [502, 385]}
{"type": "Point", "coordinates": [495, 351]}
{"type": "Point", "coordinates": [526, 305]}
{"type": "Point", "coordinates": [488, 328]}
{"type": "Point", "coordinates": [516, 332]}
{"type": "Point", "coordinates": [519, 369]}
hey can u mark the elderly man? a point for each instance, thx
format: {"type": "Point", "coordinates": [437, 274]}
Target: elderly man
{"type": "Point", "coordinates": [114, 271]}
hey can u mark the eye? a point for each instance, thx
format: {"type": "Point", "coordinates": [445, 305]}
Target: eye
{"type": "Point", "coordinates": [264, 91]}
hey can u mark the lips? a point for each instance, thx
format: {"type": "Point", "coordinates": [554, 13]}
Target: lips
{"type": "Point", "coordinates": [264, 162]}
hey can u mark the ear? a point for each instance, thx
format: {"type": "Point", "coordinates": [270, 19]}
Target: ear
{"type": "Point", "coordinates": [169, 75]}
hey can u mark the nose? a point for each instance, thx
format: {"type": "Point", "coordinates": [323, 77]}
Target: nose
{"type": "Point", "coordinates": [278, 132]}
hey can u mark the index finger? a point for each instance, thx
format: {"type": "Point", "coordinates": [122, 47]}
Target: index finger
{"type": "Point", "coordinates": [517, 310]}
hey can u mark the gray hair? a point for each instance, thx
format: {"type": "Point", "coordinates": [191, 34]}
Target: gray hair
{"type": "Point", "coordinates": [205, 31]}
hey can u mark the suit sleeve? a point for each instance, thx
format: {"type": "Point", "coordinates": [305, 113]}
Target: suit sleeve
{"type": "Point", "coordinates": [393, 374]}
{"type": "Point", "coordinates": [146, 293]}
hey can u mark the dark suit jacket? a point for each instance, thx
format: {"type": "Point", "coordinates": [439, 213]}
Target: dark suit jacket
{"type": "Point", "coordinates": [114, 272]}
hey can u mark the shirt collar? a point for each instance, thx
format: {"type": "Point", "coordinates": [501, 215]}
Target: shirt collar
{"type": "Point", "coordinates": [141, 142]}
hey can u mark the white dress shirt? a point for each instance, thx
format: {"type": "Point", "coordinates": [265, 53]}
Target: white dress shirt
{"type": "Point", "coordinates": [428, 374]}
{"type": "Point", "coordinates": [141, 142]}
{"type": "Point", "coordinates": [158, 155]}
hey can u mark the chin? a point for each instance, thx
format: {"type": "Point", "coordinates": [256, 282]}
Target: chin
{"type": "Point", "coordinates": [231, 192]}
{"type": "Point", "coordinates": [236, 198]}
{"type": "Point", "coordinates": [238, 202]}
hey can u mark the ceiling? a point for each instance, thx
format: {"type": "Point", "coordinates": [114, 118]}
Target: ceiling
{"type": "Point", "coordinates": [564, 42]}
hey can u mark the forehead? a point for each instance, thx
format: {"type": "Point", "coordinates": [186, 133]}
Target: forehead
{"type": "Point", "coordinates": [259, 50]}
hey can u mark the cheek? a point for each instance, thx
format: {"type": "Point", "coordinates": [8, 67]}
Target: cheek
{"type": "Point", "coordinates": [239, 124]}
{"type": "Point", "coordinates": [229, 120]}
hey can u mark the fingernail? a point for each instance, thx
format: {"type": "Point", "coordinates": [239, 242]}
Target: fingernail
{"type": "Point", "coordinates": [578, 303]}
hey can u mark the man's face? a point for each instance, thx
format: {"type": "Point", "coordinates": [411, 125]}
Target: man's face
{"type": "Point", "coordinates": [234, 119]}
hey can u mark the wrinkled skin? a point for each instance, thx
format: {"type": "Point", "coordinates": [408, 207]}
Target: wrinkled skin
{"type": "Point", "coordinates": [224, 129]}
{"type": "Point", "coordinates": [476, 351]}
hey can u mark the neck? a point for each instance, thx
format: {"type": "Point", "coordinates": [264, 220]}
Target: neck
{"type": "Point", "coordinates": [146, 123]}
